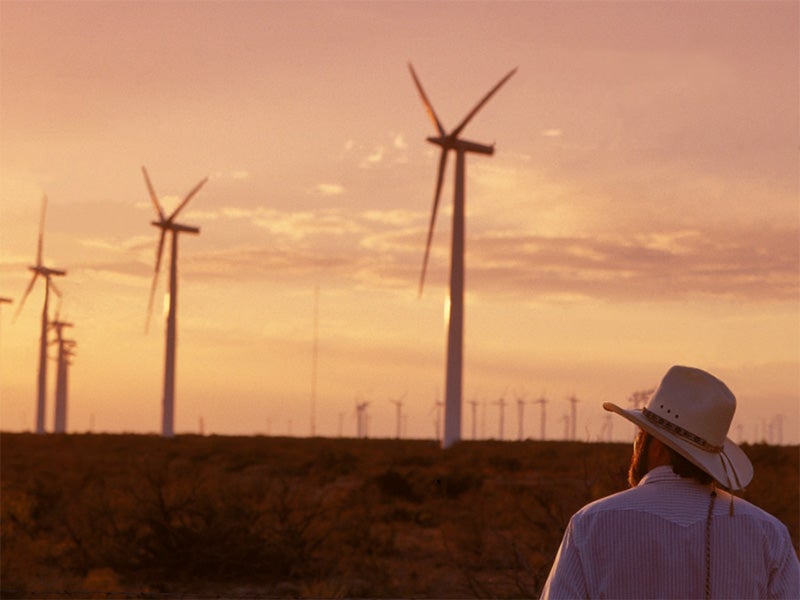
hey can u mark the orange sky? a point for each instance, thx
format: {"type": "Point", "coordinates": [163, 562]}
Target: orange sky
{"type": "Point", "coordinates": [641, 209]}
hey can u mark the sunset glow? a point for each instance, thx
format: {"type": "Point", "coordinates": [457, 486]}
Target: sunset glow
{"type": "Point", "coordinates": [641, 208]}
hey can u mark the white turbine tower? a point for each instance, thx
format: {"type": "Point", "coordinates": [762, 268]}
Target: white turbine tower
{"type": "Point", "coordinates": [521, 418]}
{"type": "Point", "coordinates": [47, 273]}
{"type": "Point", "coordinates": [447, 142]}
{"type": "Point", "coordinates": [362, 419]}
{"type": "Point", "coordinates": [543, 417]}
{"type": "Point", "coordinates": [574, 419]}
{"type": "Point", "coordinates": [65, 352]}
{"type": "Point", "coordinates": [474, 404]}
{"type": "Point", "coordinates": [398, 403]}
{"type": "Point", "coordinates": [168, 224]}
{"type": "Point", "coordinates": [501, 403]}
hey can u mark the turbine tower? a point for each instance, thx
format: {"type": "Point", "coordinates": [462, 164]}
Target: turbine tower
{"type": "Point", "coordinates": [362, 419]}
{"type": "Point", "coordinates": [65, 352]}
{"type": "Point", "coordinates": [474, 404]}
{"type": "Point", "coordinates": [62, 385]}
{"type": "Point", "coordinates": [574, 419]}
{"type": "Point", "coordinates": [398, 403]}
{"type": "Point", "coordinates": [542, 402]}
{"type": "Point", "coordinates": [447, 142]}
{"type": "Point", "coordinates": [47, 274]}
{"type": "Point", "coordinates": [521, 418]}
{"type": "Point", "coordinates": [501, 403]}
{"type": "Point", "coordinates": [168, 224]}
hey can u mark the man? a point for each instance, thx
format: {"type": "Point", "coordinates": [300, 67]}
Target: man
{"type": "Point", "coordinates": [675, 534]}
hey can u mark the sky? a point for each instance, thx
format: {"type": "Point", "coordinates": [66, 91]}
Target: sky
{"type": "Point", "coordinates": [640, 210]}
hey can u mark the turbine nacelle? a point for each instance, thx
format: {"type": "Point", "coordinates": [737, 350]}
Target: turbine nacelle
{"type": "Point", "coordinates": [47, 271]}
{"type": "Point", "coordinates": [175, 227]}
{"type": "Point", "coordinates": [451, 143]}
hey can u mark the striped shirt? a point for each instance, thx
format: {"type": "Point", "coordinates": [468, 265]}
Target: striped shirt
{"type": "Point", "coordinates": [650, 541]}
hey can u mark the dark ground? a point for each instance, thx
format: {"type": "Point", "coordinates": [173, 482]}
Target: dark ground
{"type": "Point", "coordinates": [116, 516]}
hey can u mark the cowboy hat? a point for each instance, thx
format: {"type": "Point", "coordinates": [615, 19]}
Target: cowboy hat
{"type": "Point", "coordinates": [691, 412]}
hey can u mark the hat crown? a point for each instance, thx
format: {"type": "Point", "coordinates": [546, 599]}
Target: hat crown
{"type": "Point", "coordinates": [695, 401]}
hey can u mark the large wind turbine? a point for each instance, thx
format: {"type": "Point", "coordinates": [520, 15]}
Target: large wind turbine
{"type": "Point", "coordinates": [447, 142]}
{"type": "Point", "coordinates": [168, 224]}
{"type": "Point", "coordinates": [47, 273]}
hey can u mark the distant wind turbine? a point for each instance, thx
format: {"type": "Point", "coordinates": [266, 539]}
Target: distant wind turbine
{"type": "Point", "coordinates": [168, 224]}
{"type": "Point", "coordinates": [573, 431]}
{"type": "Point", "coordinates": [47, 274]}
{"type": "Point", "coordinates": [501, 403]}
{"type": "Point", "coordinates": [362, 419]}
{"type": "Point", "coordinates": [65, 352]}
{"type": "Point", "coordinates": [543, 403]}
{"type": "Point", "coordinates": [398, 403]}
{"type": "Point", "coordinates": [474, 404]}
{"type": "Point", "coordinates": [447, 142]}
{"type": "Point", "coordinates": [521, 418]}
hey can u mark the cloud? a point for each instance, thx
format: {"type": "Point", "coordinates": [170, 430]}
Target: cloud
{"type": "Point", "coordinates": [671, 265]}
{"type": "Point", "coordinates": [396, 218]}
{"type": "Point", "coordinates": [507, 257]}
{"type": "Point", "coordinates": [372, 159]}
{"type": "Point", "coordinates": [329, 189]}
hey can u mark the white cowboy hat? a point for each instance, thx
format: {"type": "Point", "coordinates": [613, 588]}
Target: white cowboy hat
{"type": "Point", "coordinates": [691, 412]}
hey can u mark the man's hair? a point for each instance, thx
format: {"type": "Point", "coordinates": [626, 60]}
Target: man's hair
{"type": "Point", "coordinates": [681, 466]}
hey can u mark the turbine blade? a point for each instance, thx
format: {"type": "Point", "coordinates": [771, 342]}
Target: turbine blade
{"type": "Point", "coordinates": [153, 196]}
{"type": "Point", "coordinates": [26, 294]}
{"type": "Point", "coordinates": [439, 180]}
{"type": "Point", "coordinates": [155, 279]}
{"type": "Point", "coordinates": [54, 288]}
{"type": "Point", "coordinates": [188, 197]}
{"type": "Point", "coordinates": [427, 103]}
{"type": "Point", "coordinates": [40, 243]}
{"type": "Point", "coordinates": [480, 104]}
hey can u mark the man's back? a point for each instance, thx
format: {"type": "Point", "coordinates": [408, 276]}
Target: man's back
{"type": "Point", "coordinates": [650, 542]}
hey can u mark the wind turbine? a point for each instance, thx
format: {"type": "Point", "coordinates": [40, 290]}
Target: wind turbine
{"type": "Point", "coordinates": [65, 352]}
{"type": "Point", "coordinates": [168, 224]}
{"type": "Point", "coordinates": [47, 273]}
{"type": "Point", "coordinates": [474, 404]}
{"type": "Point", "coordinates": [501, 403]}
{"type": "Point", "coordinates": [542, 402]}
{"type": "Point", "coordinates": [447, 142]}
{"type": "Point", "coordinates": [521, 418]}
{"type": "Point", "coordinates": [573, 431]}
{"type": "Point", "coordinates": [398, 403]}
{"type": "Point", "coordinates": [362, 419]}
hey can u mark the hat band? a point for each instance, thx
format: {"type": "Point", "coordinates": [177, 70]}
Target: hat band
{"type": "Point", "coordinates": [681, 432]}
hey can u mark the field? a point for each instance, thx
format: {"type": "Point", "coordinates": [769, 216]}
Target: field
{"type": "Point", "coordinates": [115, 516]}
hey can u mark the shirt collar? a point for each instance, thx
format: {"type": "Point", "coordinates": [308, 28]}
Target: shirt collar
{"type": "Point", "coordinates": [662, 473]}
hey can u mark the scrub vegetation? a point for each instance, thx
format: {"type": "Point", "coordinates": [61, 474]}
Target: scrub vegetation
{"type": "Point", "coordinates": [116, 516]}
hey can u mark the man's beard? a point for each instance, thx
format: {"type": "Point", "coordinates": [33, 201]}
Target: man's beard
{"type": "Point", "coordinates": [639, 466]}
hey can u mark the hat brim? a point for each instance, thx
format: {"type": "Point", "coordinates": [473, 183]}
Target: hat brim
{"type": "Point", "coordinates": [735, 476]}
